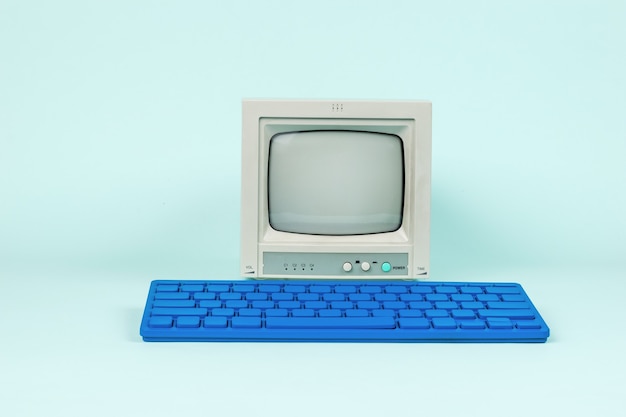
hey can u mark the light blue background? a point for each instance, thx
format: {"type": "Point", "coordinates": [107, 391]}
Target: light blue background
{"type": "Point", "coordinates": [120, 130]}
{"type": "Point", "coordinates": [120, 124]}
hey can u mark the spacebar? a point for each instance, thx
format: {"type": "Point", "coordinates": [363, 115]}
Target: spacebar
{"type": "Point", "coordinates": [330, 323]}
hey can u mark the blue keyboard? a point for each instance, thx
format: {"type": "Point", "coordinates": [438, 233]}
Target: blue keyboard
{"type": "Point", "coordinates": [346, 311]}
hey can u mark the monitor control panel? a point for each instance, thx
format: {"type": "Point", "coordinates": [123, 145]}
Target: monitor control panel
{"type": "Point", "coordinates": [336, 264]}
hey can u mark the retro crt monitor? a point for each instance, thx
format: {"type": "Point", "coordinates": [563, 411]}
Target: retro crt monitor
{"type": "Point", "coordinates": [335, 189]}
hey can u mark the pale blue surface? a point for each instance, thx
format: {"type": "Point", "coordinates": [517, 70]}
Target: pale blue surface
{"type": "Point", "coordinates": [120, 128]}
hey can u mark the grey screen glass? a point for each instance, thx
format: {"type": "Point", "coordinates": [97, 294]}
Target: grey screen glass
{"type": "Point", "coordinates": [335, 182]}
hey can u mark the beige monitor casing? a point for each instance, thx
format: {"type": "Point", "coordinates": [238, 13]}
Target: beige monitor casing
{"type": "Point", "coordinates": [267, 253]}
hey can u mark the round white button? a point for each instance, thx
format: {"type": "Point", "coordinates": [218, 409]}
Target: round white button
{"type": "Point", "coordinates": [365, 266]}
{"type": "Point", "coordinates": [347, 267]}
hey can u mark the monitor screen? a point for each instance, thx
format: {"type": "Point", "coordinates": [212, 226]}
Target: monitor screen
{"type": "Point", "coordinates": [334, 182]}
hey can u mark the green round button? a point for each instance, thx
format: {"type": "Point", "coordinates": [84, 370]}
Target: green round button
{"type": "Point", "coordinates": [386, 267]}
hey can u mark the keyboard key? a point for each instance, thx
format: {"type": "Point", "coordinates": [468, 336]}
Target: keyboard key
{"type": "Point", "coordinates": [504, 305]}
{"type": "Point", "coordinates": [158, 311]}
{"type": "Point", "coordinates": [502, 290]}
{"type": "Point", "coordinates": [446, 290]}
{"type": "Point", "coordinates": [471, 290]}
{"type": "Point", "coordinates": [282, 296]}
{"type": "Point", "coordinates": [250, 312]}
{"type": "Point", "coordinates": [330, 323]}
{"type": "Point", "coordinates": [167, 288]}
{"type": "Point", "coordinates": [162, 322]}
{"type": "Point", "coordinates": [499, 323]}
{"type": "Point", "coordinates": [171, 296]}
{"type": "Point", "coordinates": [461, 297]}
{"type": "Point", "coordinates": [383, 313]}
{"type": "Point", "coordinates": [394, 305]}
{"type": "Point", "coordinates": [204, 296]}
{"type": "Point", "coordinates": [263, 304]}
{"type": "Point", "coordinates": [223, 312]}
{"type": "Point", "coordinates": [308, 297]}
{"type": "Point", "coordinates": [421, 289]}
{"type": "Point", "coordinates": [473, 305]}
{"type": "Point", "coordinates": [316, 305]}
{"type": "Point", "coordinates": [192, 287]}
{"type": "Point", "coordinates": [420, 305]}
{"type": "Point", "coordinates": [243, 288]}
{"type": "Point", "coordinates": [411, 297]}
{"type": "Point", "coordinates": [345, 289]}
{"type": "Point", "coordinates": [188, 322]}
{"type": "Point", "coordinates": [174, 303]}
{"type": "Point", "coordinates": [210, 304]}
{"type": "Point", "coordinates": [446, 305]}
{"type": "Point", "coordinates": [217, 288]}
{"type": "Point", "coordinates": [319, 288]}
{"type": "Point", "coordinates": [215, 322]}
{"type": "Point", "coordinates": [289, 304]}
{"type": "Point", "coordinates": [414, 323]}
{"type": "Point", "coordinates": [256, 296]}
{"type": "Point", "coordinates": [437, 297]}
{"type": "Point", "coordinates": [436, 313]}
{"type": "Point", "coordinates": [396, 289]}
{"type": "Point", "coordinates": [473, 324]}
{"type": "Point", "coordinates": [410, 313]}
{"type": "Point", "coordinates": [514, 297]}
{"type": "Point", "coordinates": [511, 314]}
{"type": "Point", "coordinates": [294, 288]}
{"type": "Point", "coordinates": [236, 304]}
{"type": "Point", "coordinates": [304, 312]}
{"type": "Point", "coordinates": [370, 289]}
{"type": "Point", "coordinates": [277, 312]}
{"type": "Point", "coordinates": [359, 297]}
{"type": "Point", "coordinates": [246, 322]}
{"type": "Point", "coordinates": [357, 313]}
{"type": "Point", "coordinates": [443, 323]}
{"type": "Point", "coordinates": [342, 305]}
{"type": "Point", "coordinates": [329, 313]}
{"type": "Point", "coordinates": [368, 305]}
{"type": "Point", "coordinates": [269, 288]}
{"type": "Point", "coordinates": [334, 297]}
{"type": "Point", "coordinates": [463, 314]}
{"type": "Point", "coordinates": [385, 297]}
{"type": "Point", "coordinates": [230, 296]}
{"type": "Point", "coordinates": [487, 297]}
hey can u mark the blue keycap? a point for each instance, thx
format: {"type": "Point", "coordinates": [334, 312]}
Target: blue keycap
{"type": "Point", "coordinates": [243, 288]}
{"type": "Point", "coordinates": [173, 311]}
{"type": "Point", "coordinates": [215, 321]}
{"type": "Point", "coordinates": [289, 304]}
{"type": "Point", "coordinates": [210, 304]}
{"type": "Point", "coordinates": [188, 322]}
{"type": "Point", "coordinates": [171, 296]}
{"type": "Point", "coordinates": [443, 323]}
{"type": "Point", "coordinates": [163, 321]}
{"type": "Point", "coordinates": [511, 314]}
{"type": "Point", "coordinates": [319, 288]}
{"type": "Point", "coordinates": [230, 296]}
{"type": "Point", "coordinates": [217, 288]}
{"type": "Point", "coordinates": [354, 310]}
{"type": "Point", "coordinates": [282, 296]}
{"type": "Point", "coordinates": [331, 323]}
{"type": "Point", "coordinates": [269, 288]}
{"type": "Point", "coordinates": [174, 303]}
{"type": "Point", "coordinates": [167, 288]}
{"type": "Point", "coordinates": [304, 312]}
{"type": "Point", "coordinates": [472, 324]}
{"type": "Point", "coordinates": [410, 313]}
{"type": "Point", "coordinates": [294, 288]}
{"type": "Point", "coordinates": [192, 287]}
{"type": "Point", "coordinates": [277, 312]}
{"type": "Point", "coordinates": [499, 323]}
{"type": "Point", "coordinates": [204, 296]}
{"type": "Point", "coordinates": [246, 322]}
{"type": "Point", "coordinates": [333, 297]}
{"type": "Point", "coordinates": [263, 304]}
{"type": "Point", "coordinates": [414, 323]}
{"type": "Point", "coordinates": [329, 313]}
{"type": "Point", "coordinates": [250, 312]}
{"type": "Point", "coordinates": [385, 297]}
{"type": "Point", "coordinates": [308, 297]}
{"type": "Point", "coordinates": [316, 305]}
{"type": "Point", "coordinates": [256, 296]}
{"type": "Point", "coordinates": [236, 304]}
{"type": "Point", "coordinates": [223, 312]}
